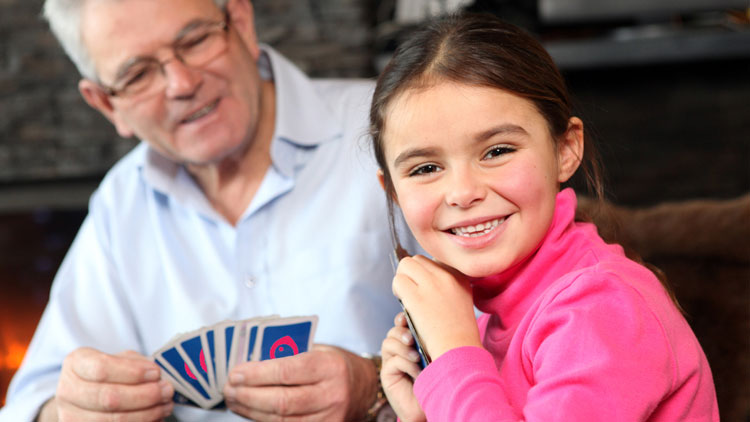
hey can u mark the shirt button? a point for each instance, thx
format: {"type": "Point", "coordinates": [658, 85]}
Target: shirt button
{"type": "Point", "coordinates": [250, 281]}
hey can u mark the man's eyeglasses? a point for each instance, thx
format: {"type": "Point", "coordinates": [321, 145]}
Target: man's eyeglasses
{"type": "Point", "coordinates": [144, 77]}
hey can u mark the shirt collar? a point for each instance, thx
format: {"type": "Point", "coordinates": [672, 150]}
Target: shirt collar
{"type": "Point", "coordinates": [302, 117]}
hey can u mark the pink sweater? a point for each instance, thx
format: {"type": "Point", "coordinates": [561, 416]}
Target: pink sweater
{"type": "Point", "coordinates": [576, 332]}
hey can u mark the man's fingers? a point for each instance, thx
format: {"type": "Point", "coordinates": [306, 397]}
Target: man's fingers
{"type": "Point", "coordinates": [69, 412]}
{"type": "Point", "coordinates": [132, 354]}
{"type": "Point", "coordinates": [305, 368]}
{"type": "Point", "coordinates": [282, 401]}
{"type": "Point", "coordinates": [261, 416]}
{"type": "Point", "coordinates": [292, 388]}
{"type": "Point", "coordinates": [95, 366]}
{"type": "Point", "coordinates": [106, 397]}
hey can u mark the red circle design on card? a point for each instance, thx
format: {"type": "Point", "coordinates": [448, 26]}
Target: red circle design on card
{"type": "Point", "coordinates": [279, 344]}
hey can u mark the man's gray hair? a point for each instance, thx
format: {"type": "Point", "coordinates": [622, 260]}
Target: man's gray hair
{"type": "Point", "coordinates": [64, 17]}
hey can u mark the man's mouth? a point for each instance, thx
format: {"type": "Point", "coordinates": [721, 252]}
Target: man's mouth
{"type": "Point", "coordinates": [477, 230]}
{"type": "Point", "coordinates": [200, 112]}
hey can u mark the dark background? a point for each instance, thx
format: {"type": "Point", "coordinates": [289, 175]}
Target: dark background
{"type": "Point", "coordinates": [668, 106]}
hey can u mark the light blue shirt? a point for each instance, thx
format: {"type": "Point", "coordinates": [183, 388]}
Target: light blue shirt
{"type": "Point", "coordinates": [153, 259]}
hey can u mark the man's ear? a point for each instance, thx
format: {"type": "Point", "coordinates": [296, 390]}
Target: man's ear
{"type": "Point", "coordinates": [570, 150]}
{"type": "Point", "coordinates": [381, 179]}
{"type": "Point", "coordinates": [99, 100]}
{"type": "Point", "coordinates": [242, 19]}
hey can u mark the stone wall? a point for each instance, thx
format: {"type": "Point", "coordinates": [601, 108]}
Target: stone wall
{"type": "Point", "coordinates": [47, 132]}
{"type": "Point", "coordinates": [670, 131]}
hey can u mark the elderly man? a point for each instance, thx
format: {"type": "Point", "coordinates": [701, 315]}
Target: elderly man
{"type": "Point", "coordinates": [251, 194]}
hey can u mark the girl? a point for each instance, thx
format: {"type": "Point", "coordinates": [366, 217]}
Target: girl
{"type": "Point", "coordinates": [472, 129]}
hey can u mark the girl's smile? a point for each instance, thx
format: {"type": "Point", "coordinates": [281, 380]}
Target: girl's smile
{"type": "Point", "coordinates": [475, 171]}
{"type": "Point", "coordinates": [474, 235]}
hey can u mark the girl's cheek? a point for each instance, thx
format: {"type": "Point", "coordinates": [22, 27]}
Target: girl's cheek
{"type": "Point", "coordinates": [418, 207]}
{"type": "Point", "coordinates": [523, 184]}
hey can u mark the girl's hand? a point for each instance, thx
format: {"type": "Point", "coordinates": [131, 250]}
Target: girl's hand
{"type": "Point", "coordinates": [440, 304]}
{"type": "Point", "coordinates": [400, 368]}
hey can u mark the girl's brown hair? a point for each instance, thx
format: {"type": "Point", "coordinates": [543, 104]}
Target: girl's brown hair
{"type": "Point", "coordinates": [479, 50]}
{"type": "Point", "coordinates": [482, 50]}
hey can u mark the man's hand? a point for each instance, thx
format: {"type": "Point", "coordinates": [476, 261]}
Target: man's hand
{"type": "Point", "coordinates": [324, 384]}
{"type": "Point", "coordinates": [95, 386]}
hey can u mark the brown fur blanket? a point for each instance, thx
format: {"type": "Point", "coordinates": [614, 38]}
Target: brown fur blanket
{"type": "Point", "coordinates": [703, 248]}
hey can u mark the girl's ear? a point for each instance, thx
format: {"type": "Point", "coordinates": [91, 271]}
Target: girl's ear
{"type": "Point", "coordinates": [570, 150]}
{"type": "Point", "coordinates": [381, 179]}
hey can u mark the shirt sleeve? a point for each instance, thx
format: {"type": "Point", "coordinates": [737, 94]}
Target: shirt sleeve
{"type": "Point", "coordinates": [84, 309]}
{"type": "Point", "coordinates": [594, 351]}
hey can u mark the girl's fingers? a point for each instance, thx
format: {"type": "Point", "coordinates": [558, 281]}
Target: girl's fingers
{"type": "Point", "coordinates": [395, 367]}
{"type": "Point", "coordinates": [400, 320]}
{"type": "Point", "coordinates": [415, 269]}
{"type": "Point", "coordinates": [403, 286]}
{"type": "Point", "coordinates": [395, 347]}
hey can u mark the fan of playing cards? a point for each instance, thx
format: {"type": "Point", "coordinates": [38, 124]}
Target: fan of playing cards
{"type": "Point", "coordinates": [197, 363]}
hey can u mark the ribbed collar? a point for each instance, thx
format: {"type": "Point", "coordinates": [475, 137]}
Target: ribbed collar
{"type": "Point", "coordinates": [511, 293]}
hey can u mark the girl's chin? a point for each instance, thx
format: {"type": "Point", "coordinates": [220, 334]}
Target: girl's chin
{"type": "Point", "coordinates": [472, 270]}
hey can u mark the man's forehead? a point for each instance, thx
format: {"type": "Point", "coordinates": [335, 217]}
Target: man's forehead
{"type": "Point", "coordinates": [115, 31]}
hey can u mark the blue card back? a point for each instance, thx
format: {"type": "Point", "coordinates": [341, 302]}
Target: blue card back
{"type": "Point", "coordinates": [194, 350]}
{"type": "Point", "coordinates": [172, 356]}
{"type": "Point", "coordinates": [285, 340]}
{"type": "Point", "coordinates": [251, 343]}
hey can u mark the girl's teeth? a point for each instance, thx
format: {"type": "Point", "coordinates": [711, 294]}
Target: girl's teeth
{"type": "Point", "coordinates": [478, 230]}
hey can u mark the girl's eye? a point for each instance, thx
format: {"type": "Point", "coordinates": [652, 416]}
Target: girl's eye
{"type": "Point", "coordinates": [424, 169]}
{"type": "Point", "coordinates": [498, 150]}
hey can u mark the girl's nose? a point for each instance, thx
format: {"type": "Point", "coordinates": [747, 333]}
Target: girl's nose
{"type": "Point", "coordinates": [466, 190]}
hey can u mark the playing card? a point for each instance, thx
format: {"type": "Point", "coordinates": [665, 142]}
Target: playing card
{"type": "Point", "coordinates": [197, 363]}
{"type": "Point", "coordinates": [247, 348]}
{"type": "Point", "coordinates": [239, 338]}
{"type": "Point", "coordinates": [181, 393]}
{"type": "Point", "coordinates": [193, 348]}
{"type": "Point", "coordinates": [424, 357]}
{"type": "Point", "coordinates": [284, 337]}
{"type": "Point", "coordinates": [209, 338]}
{"type": "Point", "coordinates": [223, 336]}
{"type": "Point", "coordinates": [246, 343]}
{"type": "Point", "coordinates": [170, 359]}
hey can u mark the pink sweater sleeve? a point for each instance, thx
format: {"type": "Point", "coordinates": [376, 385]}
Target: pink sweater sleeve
{"type": "Point", "coordinates": [594, 351]}
{"type": "Point", "coordinates": [463, 385]}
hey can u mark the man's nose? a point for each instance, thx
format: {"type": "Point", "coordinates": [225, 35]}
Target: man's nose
{"type": "Point", "coordinates": [181, 79]}
{"type": "Point", "coordinates": [466, 189]}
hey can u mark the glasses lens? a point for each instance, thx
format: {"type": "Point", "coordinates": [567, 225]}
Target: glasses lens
{"type": "Point", "coordinates": [194, 49]}
{"type": "Point", "coordinates": [140, 78]}
{"type": "Point", "coordinates": [201, 47]}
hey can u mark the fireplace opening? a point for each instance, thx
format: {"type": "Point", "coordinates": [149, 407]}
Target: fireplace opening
{"type": "Point", "coordinates": [33, 243]}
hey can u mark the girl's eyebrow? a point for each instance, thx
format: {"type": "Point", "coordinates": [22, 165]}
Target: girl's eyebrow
{"type": "Point", "coordinates": [412, 153]}
{"type": "Point", "coordinates": [507, 128]}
